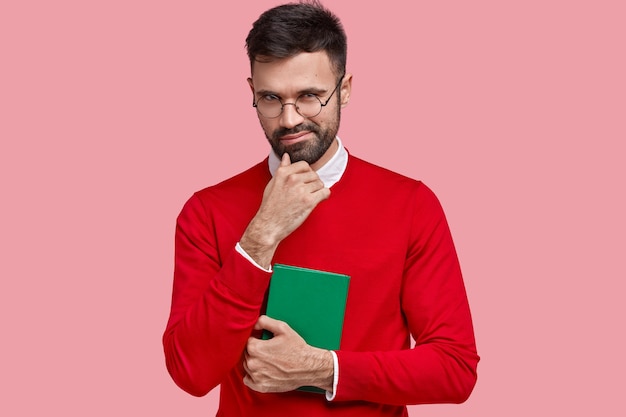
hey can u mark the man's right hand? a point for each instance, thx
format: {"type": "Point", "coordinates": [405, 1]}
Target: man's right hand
{"type": "Point", "coordinates": [288, 199]}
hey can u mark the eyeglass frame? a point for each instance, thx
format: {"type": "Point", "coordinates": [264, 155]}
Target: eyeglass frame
{"type": "Point", "coordinates": [282, 105]}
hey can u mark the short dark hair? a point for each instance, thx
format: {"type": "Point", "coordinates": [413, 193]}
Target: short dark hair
{"type": "Point", "coordinates": [287, 30]}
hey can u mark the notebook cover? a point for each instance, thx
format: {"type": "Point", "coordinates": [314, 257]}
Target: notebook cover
{"type": "Point", "coordinates": [312, 302]}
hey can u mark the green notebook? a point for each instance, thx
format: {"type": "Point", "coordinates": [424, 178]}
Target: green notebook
{"type": "Point", "coordinates": [312, 302]}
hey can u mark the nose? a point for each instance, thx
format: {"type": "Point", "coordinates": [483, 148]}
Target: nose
{"type": "Point", "coordinates": [290, 118]}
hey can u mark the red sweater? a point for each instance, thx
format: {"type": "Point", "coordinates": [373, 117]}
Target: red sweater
{"type": "Point", "coordinates": [389, 234]}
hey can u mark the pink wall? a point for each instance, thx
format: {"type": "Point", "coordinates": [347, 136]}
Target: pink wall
{"type": "Point", "coordinates": [114, 112]}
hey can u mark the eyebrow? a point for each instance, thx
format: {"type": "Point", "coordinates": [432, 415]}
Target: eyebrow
{"type": "Point", "coordinates": [314, 90]}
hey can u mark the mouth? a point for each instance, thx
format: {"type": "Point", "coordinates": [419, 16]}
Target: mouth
{"type": "Point", "coordinates": [294, 138]}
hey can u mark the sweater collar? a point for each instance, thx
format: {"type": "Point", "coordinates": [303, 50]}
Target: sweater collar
{"type": "Point", "coordinates": [329, 173]}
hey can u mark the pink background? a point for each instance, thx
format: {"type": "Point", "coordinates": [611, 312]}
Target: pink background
{"type": "Point", "coordinates": [114, 112]}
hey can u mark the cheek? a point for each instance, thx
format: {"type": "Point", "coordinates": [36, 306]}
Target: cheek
{"type": "Point", "coordinates": [268, 123]}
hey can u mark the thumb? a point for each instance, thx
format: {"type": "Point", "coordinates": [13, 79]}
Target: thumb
{"type": "Point", "coordinates": [285, 160]}
{"type": "Point", "coordinates": [270, 324]}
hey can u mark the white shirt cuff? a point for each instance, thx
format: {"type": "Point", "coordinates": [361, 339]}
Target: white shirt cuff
{"type": "Point", "coordinates": [331, 395]}
{"type": "Point", "coordinates": [243, 253]}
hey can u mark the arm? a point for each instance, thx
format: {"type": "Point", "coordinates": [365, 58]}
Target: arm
{"type": "Point", "coordinates": [215, 304]}
{"type": "Point", "coordinates": [288, 200]}
{"type": "Point", "coordinates": [441, 368]}
{"type": "Point", "coordinates": [217, 297]}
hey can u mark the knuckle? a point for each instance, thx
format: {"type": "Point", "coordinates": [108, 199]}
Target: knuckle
{"type": "Point", "coordinates": [308, 199]}
{"type": "Point", "coordinates": [292, 179]}
{"type": "Point", "coordinates": [301, 165]}
{"type": "Point", "coordinates": [305, 200]}
{"type": "Point", "coordinates": [250, 366]}
{"type": "Point", "coordinates": [251, 348]}
{"type": "Point", "coordinates": [283, 326]}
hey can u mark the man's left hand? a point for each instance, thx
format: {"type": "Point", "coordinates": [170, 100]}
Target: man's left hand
{"type": "Point", "coordinates": [285, 362]}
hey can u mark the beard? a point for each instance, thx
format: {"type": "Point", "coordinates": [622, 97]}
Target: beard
{"type": "Point", "coordinates": [310, 150]}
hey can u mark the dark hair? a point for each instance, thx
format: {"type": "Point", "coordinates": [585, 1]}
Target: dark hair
{"type": "Point", "coordinates": [287, 30]}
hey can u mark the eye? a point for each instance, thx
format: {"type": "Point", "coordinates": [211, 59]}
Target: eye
{"type": "Point", "coordinates": [269, 98]}
{"type": "Point", "coordinates": [308, 97]}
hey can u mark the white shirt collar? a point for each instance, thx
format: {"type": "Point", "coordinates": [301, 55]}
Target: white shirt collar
{"type": "Point", "coordinates": [329, 173]}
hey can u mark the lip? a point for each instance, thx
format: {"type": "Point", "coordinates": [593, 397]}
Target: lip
{"type": "Point", "coordinates": [295, 138]}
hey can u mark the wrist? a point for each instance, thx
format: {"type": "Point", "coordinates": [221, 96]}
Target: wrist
{"type": "Point", "coordinates": [258, 245]}
{"type": "Point", "coordinates": [322, 369]}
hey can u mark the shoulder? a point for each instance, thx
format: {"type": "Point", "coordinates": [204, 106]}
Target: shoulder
{"type": "Point", "coordinates": [395, 187]}
{"type": "Point", "coordinates": [379, 175]}
{"type": "Point", "coordinates": [248, 181]}
{"type": "Point", "coordinates": [231, 195]}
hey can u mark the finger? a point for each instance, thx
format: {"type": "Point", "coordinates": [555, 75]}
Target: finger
{"type": "Point", "coordinates": [322, 194]}
{"type": "Point", "coordinates": [247, 381]}
{"type": "Point", "coordinates": [300, 167]}
{"type": "Point", "coordinates": [267, 323]}
{"type": "Point", "coordinates": [259, 323]}
{"type": "Point", "coordinates": [313, 186]}
{"type": "Point", "coordinates": [285, 160]}
{"type": "Point", "coordinates": [249, 345]}
{"type": "Point", "coordinates": [245, 367]}
{"type": "Point", "coordinates": [309, 177]}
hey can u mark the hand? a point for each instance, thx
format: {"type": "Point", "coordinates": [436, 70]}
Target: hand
{"type": "Point", "coordinates": [285, 362]}
{"type": "Point", "coordinates": [288, 199]}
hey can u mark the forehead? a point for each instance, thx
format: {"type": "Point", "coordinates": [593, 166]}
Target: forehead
{"type": "Point", "coordinates": [307, 69]}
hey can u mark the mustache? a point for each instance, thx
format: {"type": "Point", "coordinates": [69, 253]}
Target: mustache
{"type": "Point", "coordinates": [278, 133]}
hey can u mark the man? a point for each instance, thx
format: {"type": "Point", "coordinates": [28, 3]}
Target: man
{"type": "Point", "coordinates": [312, 204]}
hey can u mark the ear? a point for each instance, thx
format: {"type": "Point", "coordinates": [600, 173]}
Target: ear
{"type": "Point", "coordinates": [251, 85]}
{"type": "Point", "coordinates": [346, 89]}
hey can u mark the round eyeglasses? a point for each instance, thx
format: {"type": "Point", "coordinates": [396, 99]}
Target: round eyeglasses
{"type": "Point", "coordinates": [307, 105]}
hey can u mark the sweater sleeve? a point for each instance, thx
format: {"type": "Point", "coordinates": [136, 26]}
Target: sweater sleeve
{"type": "Point", "coordinates": [216, 300]}
{"type": "Point", "coordinates": [441, 367]}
